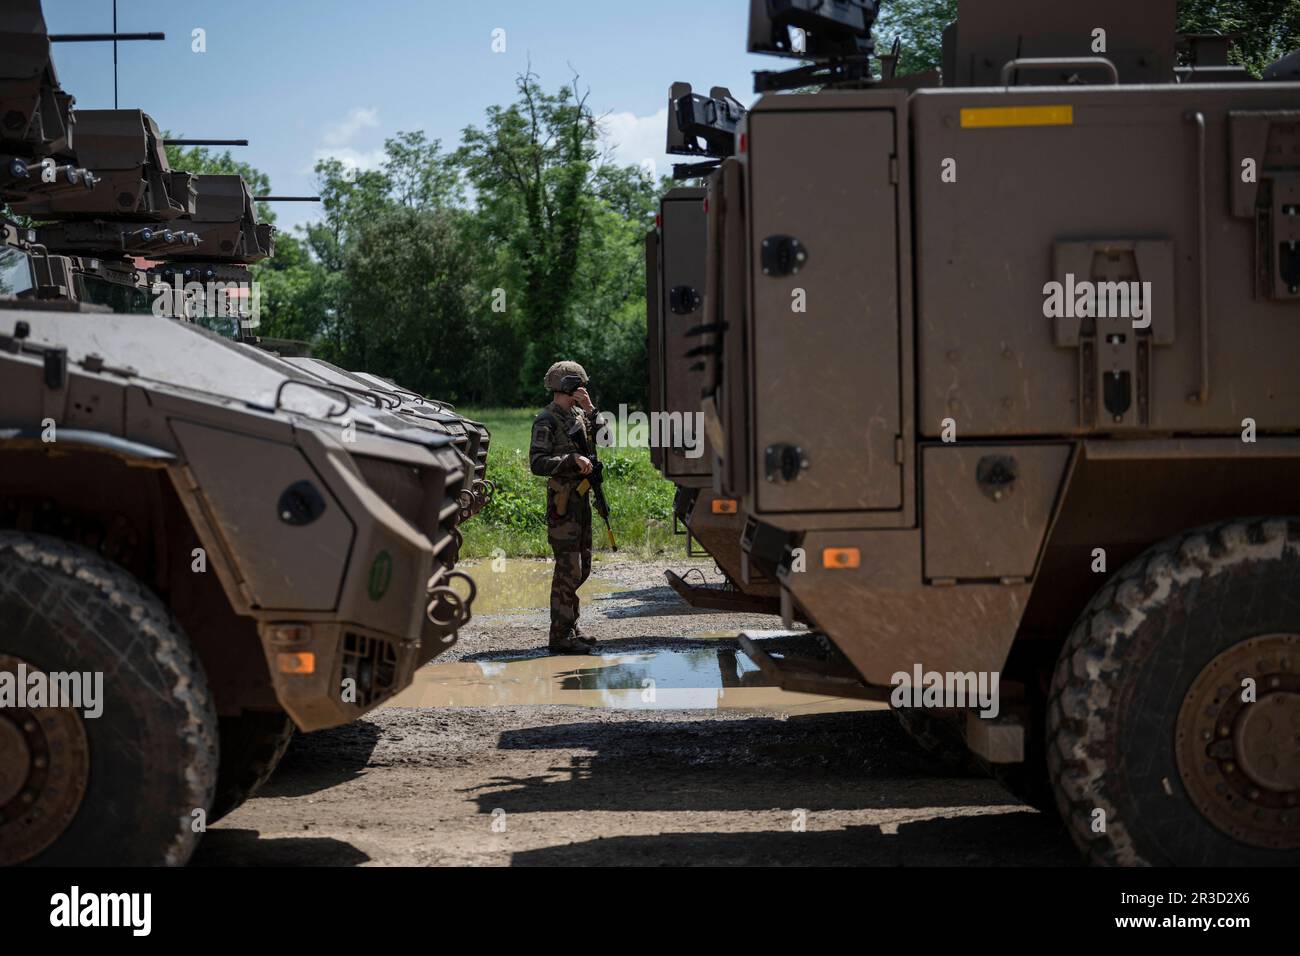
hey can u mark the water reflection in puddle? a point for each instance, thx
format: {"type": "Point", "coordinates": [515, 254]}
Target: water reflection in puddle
{"type": "Point", "coordinates": [521, 585]}
{"type": "Point", "coordinates": [705, 679]}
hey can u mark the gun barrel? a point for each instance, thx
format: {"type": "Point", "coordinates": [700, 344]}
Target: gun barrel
{"type": "Point", "coordinates": [205, 142]}
{"type": "Point", "coordinates": [99, 37]}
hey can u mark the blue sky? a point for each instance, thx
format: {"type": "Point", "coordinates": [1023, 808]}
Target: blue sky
{"type": "Point", "coordinates": [302, 79]}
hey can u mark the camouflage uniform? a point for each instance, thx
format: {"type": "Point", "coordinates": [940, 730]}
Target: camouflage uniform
{"type": "Point", "coordinates": [553, 454]}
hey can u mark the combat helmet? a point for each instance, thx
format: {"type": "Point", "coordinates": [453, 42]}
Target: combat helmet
{"type": "Point", "coordinates": [556, 374]}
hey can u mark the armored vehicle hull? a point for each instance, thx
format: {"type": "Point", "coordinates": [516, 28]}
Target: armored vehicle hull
{"type": "Point", "coordinates": [1007, 396]}
{"type": "Point", "coordinates": [285, 560]}
{"type": "Point", "coordinates": [678, 271]}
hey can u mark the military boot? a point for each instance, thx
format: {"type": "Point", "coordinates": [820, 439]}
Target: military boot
{"type": "Point", "coordinates": [589, 641]}
{"type": "Point", "coordinates": [568, 644]}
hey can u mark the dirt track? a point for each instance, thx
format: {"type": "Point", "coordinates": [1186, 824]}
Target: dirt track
{"type": "Point", "coordinates": [527, 784]}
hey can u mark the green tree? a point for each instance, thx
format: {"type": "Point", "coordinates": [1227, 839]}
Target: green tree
{"type": "Point", "coordinates": [1268, 29]}
{"type": "Point", "coordinates": [349, 197]}
{"type": "Point", "coordinates": [919, 24]}
{"type": "Point", "coordinates": [420, 175]}
{"type": "Point", "coordinates": [406, 288]}
{"type": "Point", "coordinates": [294, 291]}
{"type": "Point", "coordinates": [400, 295]}
{"type": "Point", "coordinates": [609, 295]}
{"type": "Point", "coordinates": [532, 167]}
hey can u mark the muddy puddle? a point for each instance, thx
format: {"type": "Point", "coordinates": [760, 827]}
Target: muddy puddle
{"type": "Point", "coordinates": [668, 679]}
{"type": "Point", "coordinates": [713, 676]}
{"type": "Point", "coordinates": [515, 585]}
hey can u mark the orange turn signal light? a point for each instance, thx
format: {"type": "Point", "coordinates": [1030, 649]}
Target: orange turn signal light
{"type": "Point", "coordinates": [303, 662]}
{"type": "Point", "coordinates": [724, 506]}
{"type": "Point", "coordinates": [841, 558]}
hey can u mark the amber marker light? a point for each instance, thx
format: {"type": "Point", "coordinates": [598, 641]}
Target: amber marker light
{"type": "Point", "coordinates": [303, 662]}
{"type": "Point", "coordinates": [841, 558]}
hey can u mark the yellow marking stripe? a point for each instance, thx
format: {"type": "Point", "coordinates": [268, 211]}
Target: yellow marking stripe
{"type": "Point", "coordinates": [995, 116]}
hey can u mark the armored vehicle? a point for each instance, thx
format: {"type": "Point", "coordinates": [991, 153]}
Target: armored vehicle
{"type": "Point", "coordinates": [201, 547]}
{"type": "Point", "coordinates": [1002, 373]}
{"type": "Point", "coordinates": [677, 274]}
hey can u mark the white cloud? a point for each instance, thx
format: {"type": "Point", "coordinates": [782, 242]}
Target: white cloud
{"type": "Point", "coordinates": [337, 141]}
{"type": "Point", "coordinates": [358, 118]}
{"type": "Point", "coordinates": [351, 158]}
{"type": "Point", "coordinates": [633, 139]}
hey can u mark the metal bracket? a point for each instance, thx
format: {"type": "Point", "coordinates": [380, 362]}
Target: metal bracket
{"type": "Point", "coordinates": [783, 256]}
{"type": "Point", "coordinates": [784, 462]}
{"type": "Point", "coordinates": [1099, 282]}
{"type": "Point", "coordinates": [1286, 236]}
{"type": "Point", "coordinates": [683, 300]}
{"type": "Point", "coordinates": [1270, 140]}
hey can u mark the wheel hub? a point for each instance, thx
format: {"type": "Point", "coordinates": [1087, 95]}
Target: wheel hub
{"type": "Point", "coordinates": [1267, 739]}
{"type": "Point", "coordinates": [1240, 758]}
{"type": "Point", "coordinates": [44, 768]}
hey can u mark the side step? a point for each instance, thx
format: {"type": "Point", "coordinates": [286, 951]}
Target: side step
{"type": "Point", "coordinates": [721, 598]}
{"type": "Point", "coordinates": [808, 664]}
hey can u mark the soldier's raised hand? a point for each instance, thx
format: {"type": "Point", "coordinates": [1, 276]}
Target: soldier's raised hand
{"type": "Point", "coordinates": [584, 401]}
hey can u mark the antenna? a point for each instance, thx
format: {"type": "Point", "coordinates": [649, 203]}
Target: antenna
{"type": "Point", "coordinates": [205, 142]}
{"type": "Point", "coordinates": [114, 36]}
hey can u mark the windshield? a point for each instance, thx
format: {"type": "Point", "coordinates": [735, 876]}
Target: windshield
{"type": "Point", "coordinates": [120, 298]}
{"type": "Point", "coordinates": [15, 273]}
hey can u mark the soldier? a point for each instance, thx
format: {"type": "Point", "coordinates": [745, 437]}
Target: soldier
{"type": "Point", "coordinates": [554, 454]}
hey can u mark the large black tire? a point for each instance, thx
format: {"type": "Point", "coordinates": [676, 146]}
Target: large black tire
{"type": "Point", "coordinates": [1138, 656]}
{"type": "Point", "coordinates": [251, 747]}
{"type": "Point", "coordinates": [147, 762]}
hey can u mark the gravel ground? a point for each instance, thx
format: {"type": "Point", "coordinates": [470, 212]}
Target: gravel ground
{"type": "Point", "coordinates": [539, 784]}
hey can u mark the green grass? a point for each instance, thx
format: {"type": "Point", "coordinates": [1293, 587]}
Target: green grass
{"type": "Point", "coordinates": [640, 501]}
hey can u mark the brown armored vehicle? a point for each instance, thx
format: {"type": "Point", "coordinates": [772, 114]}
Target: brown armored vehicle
{"type": "Point", "coordinates": [677, 275]}
{"type": "Point", "coordinates": [1002, 371]}
{"type": "Point", "coordinates": [201, 547]}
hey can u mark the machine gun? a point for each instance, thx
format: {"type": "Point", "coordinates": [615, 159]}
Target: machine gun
{"type": "Point", "coordinates": [109, 219]}
{"type": "Point", "coordinates": [834, 34]}
{"type": "Point", "coordinates": [701, 126]}
{"type": "Point", "coordinates": [595, 482]}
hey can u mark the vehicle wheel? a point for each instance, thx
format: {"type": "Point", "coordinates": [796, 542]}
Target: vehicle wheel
{"type": "Point", "coordinates": [1157, 754]}
{"type": "Point", "coordinates": [251, 747]}
{"type": "Point", "coordinates": [118, 788]}
{"type": "Point", "coordinates": [939, 735]}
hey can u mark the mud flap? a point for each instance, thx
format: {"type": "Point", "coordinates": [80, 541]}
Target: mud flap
{"type": "Point", "coordinates": [805, 663]}
{"type": "Point", "coordinates": [721, 597]}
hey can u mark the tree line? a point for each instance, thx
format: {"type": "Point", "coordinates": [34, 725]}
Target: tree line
{"type": "Point", "coordinates": [464, 273]}
{"type": "Point", "coordinates": [1266, 30]}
